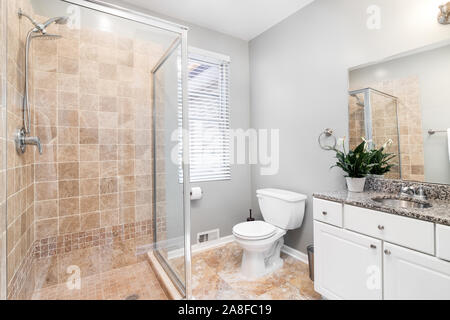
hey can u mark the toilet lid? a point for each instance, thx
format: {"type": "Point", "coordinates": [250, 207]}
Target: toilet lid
{"type": "Point", "coordinates": [254, 230]}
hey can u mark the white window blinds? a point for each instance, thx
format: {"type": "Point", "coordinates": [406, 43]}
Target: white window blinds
{"type": "Point", "coordinates": [209, 117]}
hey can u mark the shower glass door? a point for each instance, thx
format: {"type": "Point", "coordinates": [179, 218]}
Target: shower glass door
{"type": "Point", "coordinates": [170, 180]}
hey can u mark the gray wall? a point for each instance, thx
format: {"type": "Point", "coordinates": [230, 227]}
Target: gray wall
{"type": "Point", "coordinates": [433, 69]}
{"type": "Point", "coordinates": [299, 83]}
{"type": "Point", "coordinates": [225, 203]}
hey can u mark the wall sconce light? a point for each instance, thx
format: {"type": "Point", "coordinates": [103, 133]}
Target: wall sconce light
{"type": "Point", "coordinates": [444, 15]}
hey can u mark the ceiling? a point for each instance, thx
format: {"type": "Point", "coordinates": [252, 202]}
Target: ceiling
{"type": "Point", "coordinates": [244, 19]}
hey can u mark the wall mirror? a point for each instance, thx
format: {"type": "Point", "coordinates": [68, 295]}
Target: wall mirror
{"type": "Point", "coordinates": [406, 99]}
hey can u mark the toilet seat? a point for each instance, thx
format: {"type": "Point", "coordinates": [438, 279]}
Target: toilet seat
{"type": "Point", "coordinates": [256, 230]}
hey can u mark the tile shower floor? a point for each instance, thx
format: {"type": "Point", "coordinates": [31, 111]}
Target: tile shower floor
{"type": "Point", "coordinates": [136, 281]}
{"type": "Point", "coordinates": [215, 276]}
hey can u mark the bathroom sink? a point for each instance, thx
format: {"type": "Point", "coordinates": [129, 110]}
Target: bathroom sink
{"type": "Point", "coordinates": [403, 203]}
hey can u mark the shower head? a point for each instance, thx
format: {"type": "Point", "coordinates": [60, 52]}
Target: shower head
{"type": "Point", "coordinates": [39, 31]}
{"type": "Point", "coordinates": [42, 27]}
{"type": "Point", "coordinates": [57, 20]}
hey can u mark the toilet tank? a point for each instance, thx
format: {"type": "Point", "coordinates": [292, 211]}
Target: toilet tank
{"type": "Point", "coordinates": [281, 208]}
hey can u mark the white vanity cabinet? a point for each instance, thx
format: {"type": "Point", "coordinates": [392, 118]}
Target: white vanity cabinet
{"type": "Point", "coordinates": [375, 255]}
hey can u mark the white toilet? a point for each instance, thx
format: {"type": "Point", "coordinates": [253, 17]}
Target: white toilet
{"type": "Point", "coordinates": [262, 241]}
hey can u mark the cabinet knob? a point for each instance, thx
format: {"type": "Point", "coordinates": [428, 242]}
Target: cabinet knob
{"type": "Point", "coordinates": [324, 213]}
{"type": "Point", "coordinates": [380, 227]}
{"type": "Point", "coordinates": [387, 252]}
{"type": "Point", "coordinates": [372, 246]}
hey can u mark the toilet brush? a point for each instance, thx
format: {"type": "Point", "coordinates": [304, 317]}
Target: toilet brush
{"type": "Point", "coordinates": [250, 219]}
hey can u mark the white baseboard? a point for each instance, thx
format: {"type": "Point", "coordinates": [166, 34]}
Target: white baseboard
{"type": "Point", "coordinates": [162, 244]}
{"type": "Point", "coordinates": [175, 253]}
{"type": "Point", "coordinates": [201, 247]}
{"type": "Point", "coordinates": [212, 244]}
{"type": "Point", "coordinates": [295, 254]}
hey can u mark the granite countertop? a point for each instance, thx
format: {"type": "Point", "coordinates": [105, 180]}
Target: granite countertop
{"type": "Point", "coordinates": [438, 213]}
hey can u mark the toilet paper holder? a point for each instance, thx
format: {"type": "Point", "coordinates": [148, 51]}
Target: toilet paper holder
{"type": "Point", "coordinates": [196, 195]}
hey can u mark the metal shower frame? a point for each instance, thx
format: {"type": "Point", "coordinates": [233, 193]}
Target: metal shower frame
{"type": "Point", "coordinates": [4, 155]}
{"type": "Point", "coordinates": [182, 39]}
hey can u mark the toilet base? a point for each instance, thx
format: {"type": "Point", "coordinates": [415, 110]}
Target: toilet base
{"type": "Point", "coordinates": [259, 263]}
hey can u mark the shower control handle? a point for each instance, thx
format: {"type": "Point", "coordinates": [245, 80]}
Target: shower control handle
{"type": "Point", "coordinates": [22, 141]}
{"type": "Point", "coordinates": [34, 141]}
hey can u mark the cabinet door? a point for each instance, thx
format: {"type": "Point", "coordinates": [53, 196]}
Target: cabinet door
{"type": "Point", "coordinates": [347, 264]}
{"type": "Point", "coordinates": [410, 275]}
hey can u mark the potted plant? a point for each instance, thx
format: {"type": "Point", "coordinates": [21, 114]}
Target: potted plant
{"type": "Point", "coordinates": [381, 161]}
{"type": "Point", "coordinates": [356, 164]}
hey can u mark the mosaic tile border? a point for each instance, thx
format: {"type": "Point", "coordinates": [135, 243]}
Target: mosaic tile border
{"type": "Point", "coordinates": [98, 237]}
{"type": "Point", "coordinates": [432, 191]}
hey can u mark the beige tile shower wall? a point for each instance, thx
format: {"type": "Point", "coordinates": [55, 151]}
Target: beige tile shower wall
{"type": "Point", "coordinates": [356, 121]}
{"type": "Point", "coordinates": [410, 124]}
{"type": "Point", "coordinates": [93, 114]}
{"type": "Point", "coordinates": [411, 128]}
{"type": "Point", "coordinates": [20, 170]}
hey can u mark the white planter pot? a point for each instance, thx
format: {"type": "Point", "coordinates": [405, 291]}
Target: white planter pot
{"type": "Point", "coordinates": [356, 184]}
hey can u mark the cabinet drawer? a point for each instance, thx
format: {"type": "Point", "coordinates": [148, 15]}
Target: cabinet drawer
{"type": "Point", "coordinates": [407, 232]}
{"type": "Point", "coordinates": [328, 212]}
{"type": "Point", "coordinates": [443, 242]}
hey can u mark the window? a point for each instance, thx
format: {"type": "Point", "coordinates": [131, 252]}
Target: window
{"type": "Point", "coordinates": [209, 116]}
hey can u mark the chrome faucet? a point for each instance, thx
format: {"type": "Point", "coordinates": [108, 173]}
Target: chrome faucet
{"type": "Point", "coordinates": [22, 141]}
{"type": "Point", "coordinates": [407, 191]}
{"type": "Point", "coordinates": [417, 193]}
{"type": "Point", "coordinates": [420, 194]}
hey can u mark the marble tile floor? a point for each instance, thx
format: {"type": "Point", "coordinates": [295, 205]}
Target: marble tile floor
{"type": "Point", "coordinates": [136, 281]}
{"type": "Point", "coordinates": [215, 276]}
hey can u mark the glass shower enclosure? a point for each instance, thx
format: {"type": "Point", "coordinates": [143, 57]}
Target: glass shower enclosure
{"type": "Point", "coordinates": [374, 116]}
{"type": "Point", "coordinates": [106, 93]}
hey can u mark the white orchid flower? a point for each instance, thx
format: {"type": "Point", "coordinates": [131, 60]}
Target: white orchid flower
{"type": "Point", "coordinates": [367, 143]}
{"type": "Point", "coordinates": [388, 143]}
